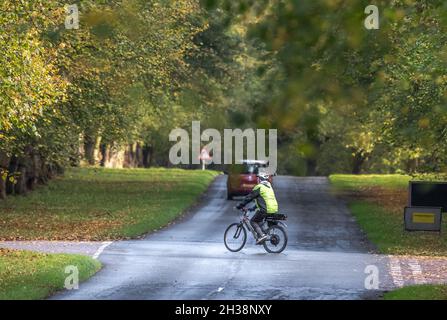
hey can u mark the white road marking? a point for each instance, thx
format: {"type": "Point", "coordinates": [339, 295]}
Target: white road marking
{"type": "Point", "coordinates": [417, 272]}
{"type": "Point", "coordinates": [396, 271]}
{"type": "Point", "coordinates": [105, 244]}
{"type": "Point", "coordinates": [220, 289]}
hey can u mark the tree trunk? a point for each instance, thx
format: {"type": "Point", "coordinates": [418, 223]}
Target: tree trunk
{"type": "Point", "coordinates": [358, 162]}
{"type": "Point", "coordinates": [411, 165]}
{"type": "Point", "coordinates": [127, 156]}
{"type": "Point", "coordinates": [139, 156]}
{"type": "Point", "coordinates": [4, 163]}
{"type": "Point", "coordinates": [105, 154]}
{"type": "Point", "coordinates": [311, 159]}
{"type": "Point", "coordinates": [31, 179]}
{"type": "Point", "coordinates": [2, 187]}
{"type": "Point", "coordinates": [311, 167]}
{"type": "Point", "coordinates": [89, 149]}
{"type": "Point", "coordinates": [130, 156]}
{"type": "Point", "coordinates": [147, 151]}
{"type": "Point", "coordinates": [151, 155]}
{"type": "Point", "coordinates": [20, 185]}
{"type": "Point", "coordinates": [12, 170]}
{"type": "Point", "coordinates": [32, 168]}
{"type": "Point", "coordinates": [44, 174]}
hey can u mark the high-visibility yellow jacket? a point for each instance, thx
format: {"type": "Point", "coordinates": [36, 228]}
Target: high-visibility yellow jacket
{"type": "Point", "coordinates": [264, 197]}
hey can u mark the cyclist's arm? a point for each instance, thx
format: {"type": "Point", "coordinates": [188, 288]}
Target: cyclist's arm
{"type": "Point", "coordinates": [252, 196]}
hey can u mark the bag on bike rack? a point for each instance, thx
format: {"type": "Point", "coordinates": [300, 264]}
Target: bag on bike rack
{"type": "Point", "coordinates": [277, 216]}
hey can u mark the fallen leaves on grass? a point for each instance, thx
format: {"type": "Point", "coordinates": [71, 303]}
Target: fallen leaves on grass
{"type": "Point", "coordinates": [11, 262]}
{"type": "Point", "coordinates": [393, 200]}
{"type": "Point", "coordinates": [50, 227]}
{"type": "Point", "coordinates": [102, 204]}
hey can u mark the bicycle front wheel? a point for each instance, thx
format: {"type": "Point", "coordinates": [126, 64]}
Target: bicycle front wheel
{"type": "Point", "coordinates": [235, 237]}
{"type": "Point", "coordinates": [276, 240]}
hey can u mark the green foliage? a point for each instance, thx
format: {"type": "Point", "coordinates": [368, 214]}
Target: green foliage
{"type": "Point", "coordinates": [30, 85]}
{"type": "Point", "coordinates": [377, 94]}
{"type": "Point", "coordinates": [333, 158]}
{"type": "Point", "coordinates": [132, 72]}
{"type": "Point", "coordinates": [343, 98]}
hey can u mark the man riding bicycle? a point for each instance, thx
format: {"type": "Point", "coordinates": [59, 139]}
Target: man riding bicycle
{"type": "Point", "coordinates": [266, 203]}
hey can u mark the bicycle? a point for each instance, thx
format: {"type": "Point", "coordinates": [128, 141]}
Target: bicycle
{"type": "Point", "coordinates": [276, 241]}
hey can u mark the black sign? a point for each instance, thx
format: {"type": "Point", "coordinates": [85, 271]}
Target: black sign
{"type": "Point", "coordinates": [428, 194]}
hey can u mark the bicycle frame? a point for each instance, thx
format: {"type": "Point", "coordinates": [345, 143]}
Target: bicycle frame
{"type": "Point", "coordinates": [246, 222]}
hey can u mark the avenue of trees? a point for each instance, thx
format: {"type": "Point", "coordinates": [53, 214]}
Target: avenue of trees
{"type": "Point", "coordinates": [131, 72]}
{"type": "Point", "coordinates": [343, 98]}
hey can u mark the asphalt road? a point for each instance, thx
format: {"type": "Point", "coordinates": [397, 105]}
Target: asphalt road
{"type": "Point", "coordinates": [325, 259]}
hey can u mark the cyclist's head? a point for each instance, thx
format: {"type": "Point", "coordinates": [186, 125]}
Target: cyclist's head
{"type": "Point", "coordinates": [262, 176]}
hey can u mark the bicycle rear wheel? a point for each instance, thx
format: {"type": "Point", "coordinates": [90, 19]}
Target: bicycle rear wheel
{"type": "Point", "coordinates": [235, 237]}
{"type": "Point", "coordinates": [276, 240]}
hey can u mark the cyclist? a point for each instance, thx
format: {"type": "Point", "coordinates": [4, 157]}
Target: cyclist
{"type": "Point", "coordinates": [266, 203]}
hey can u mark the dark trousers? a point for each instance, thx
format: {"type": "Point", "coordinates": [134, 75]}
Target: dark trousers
{"type": "Point", "coordinates": [256, 220]}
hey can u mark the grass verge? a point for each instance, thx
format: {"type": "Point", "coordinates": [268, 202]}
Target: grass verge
{"type": "Point", "coordinates": [102, 204]}
{"type": "Point", "coordinates": [29, 275]}
{"type": "Point", "coordinates": [377, 202]}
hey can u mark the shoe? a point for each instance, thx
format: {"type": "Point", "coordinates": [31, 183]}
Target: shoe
{"type": "Point", "coordinates": [261, 239]}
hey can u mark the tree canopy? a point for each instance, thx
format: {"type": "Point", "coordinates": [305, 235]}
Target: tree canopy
{"type": "Point", "coordinates": [343, 98]}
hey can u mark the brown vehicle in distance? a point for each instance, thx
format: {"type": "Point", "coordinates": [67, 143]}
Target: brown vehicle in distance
{"type": "Point", "coordinates": [242, 177]}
